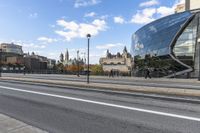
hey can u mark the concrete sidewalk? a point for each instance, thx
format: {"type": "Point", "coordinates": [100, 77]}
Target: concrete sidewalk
{"type": "Point", "coordinates": [10, 125]}
{"type": "Point", "coordinates": [194, 80]}
{"type": "Point", "coordinates": [115, 87]}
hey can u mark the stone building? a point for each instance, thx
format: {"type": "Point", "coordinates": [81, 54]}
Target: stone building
{"type": "Point", "coordinates": [180, 8]}
{"type": "Point", "coordinates": [61, 57]}
{"type": "Point", "coordinates": [35, 62]}
{"type": "Point", "coordinates": [121, 63]}
{"type": "Point", "coordinates": [66, 61]}
{"type": "Point", "coordinates": [51, 63]}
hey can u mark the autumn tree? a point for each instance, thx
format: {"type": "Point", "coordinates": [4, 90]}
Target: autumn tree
{"type": "Point", "coordinates": [96, 69]}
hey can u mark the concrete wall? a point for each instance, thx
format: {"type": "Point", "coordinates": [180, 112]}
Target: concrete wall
{"type": "Point", "coordinates": [194, 4]}
{"type": "Point", "coordinates": [197, 56]}
{"type": "Point", "coordinates": [113, 60]}
{"type": "Point", "coordinates": [187, 4]}
{"type": "Point", "coordinates": [121, 68]}
{"type": "Point", "coordinates": [14, 60]}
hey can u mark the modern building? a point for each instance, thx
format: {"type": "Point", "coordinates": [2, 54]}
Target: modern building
{"type": "Point", "coordinates": [169, 46]}
{"type": "Point", "coordinates": [11, 48]}
{"type": "Point", "coordinates": [11, 56]}
{"type": "Point", "coordinates": [119, 62]}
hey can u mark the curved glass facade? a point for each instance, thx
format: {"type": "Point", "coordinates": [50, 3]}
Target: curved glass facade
{"type": "Point", "coordinates": [167, 45]}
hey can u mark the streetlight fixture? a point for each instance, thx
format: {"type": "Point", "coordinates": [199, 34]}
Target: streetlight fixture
{"type": "Point", "coordinates": [88, 73]}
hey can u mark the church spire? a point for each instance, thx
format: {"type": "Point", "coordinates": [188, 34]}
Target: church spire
{"type": "Point", "coordinates": [125, 50]}
{"type": "Point", "coordinates": [67, 55]}
{"type": "Point", "coordinates": [61, 57]}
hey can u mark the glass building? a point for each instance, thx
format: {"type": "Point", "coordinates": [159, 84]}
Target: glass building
{"type": "Point", "coordinates": [168, 46]}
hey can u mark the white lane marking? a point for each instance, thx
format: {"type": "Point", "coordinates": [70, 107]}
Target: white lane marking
{"type": "Point", "coordinates": [106, 104]}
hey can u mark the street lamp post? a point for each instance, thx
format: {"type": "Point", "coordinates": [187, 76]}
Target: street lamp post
{"type": "Point", "coordinates": [88, 73]}
{"type": "Point", "coordinates": [0, 62]}
{"type": "Point", "coordinates": [199, 58]}
{"type": "Point", "coordinates": [78, 63]}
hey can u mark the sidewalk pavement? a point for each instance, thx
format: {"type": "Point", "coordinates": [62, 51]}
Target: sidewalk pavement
{"type": "Point", "coordinates": [191, 80]}
{"type": "Point", "coordinates": [10, 125]}
{"type": "Point", "coordinates": [115, 87]}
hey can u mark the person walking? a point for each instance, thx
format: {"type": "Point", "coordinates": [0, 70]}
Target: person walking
{"type": "Point", "coordinates": [147, 74]}
{"type": "Point", "coordinates": [24, 70]}
{"type": "Point", "coordinates": [111, 73]}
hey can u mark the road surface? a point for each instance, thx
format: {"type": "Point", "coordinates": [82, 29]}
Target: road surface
{"type": "Point", "coordinates": [79, 111]}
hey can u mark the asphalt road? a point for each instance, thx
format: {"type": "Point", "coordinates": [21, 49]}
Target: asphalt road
{"type": "Point", "coordinates": [106, 80]}
{"type": "Point", "coordinates": [79, 111]}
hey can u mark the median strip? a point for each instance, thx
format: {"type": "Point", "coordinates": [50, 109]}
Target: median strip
{"type": "Point", "coordinates": [117, 87]}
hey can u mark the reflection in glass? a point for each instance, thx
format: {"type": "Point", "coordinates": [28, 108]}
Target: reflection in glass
{"type": "Point", "coordinates": [153, 45]}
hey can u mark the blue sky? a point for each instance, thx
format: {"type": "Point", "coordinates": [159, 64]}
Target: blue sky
{"type": "Point", "coordinates": [49, 27]}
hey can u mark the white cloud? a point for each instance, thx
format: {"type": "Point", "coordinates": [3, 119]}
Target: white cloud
{"type": "Point", "coordinates": [52, 55]}
{"type": "Point", "coordinates": [68, 35]}
{"type": "Point", "coordinates": [31, 46]}
{"type": "Point", "coordinates": [144, 16]}
{"type": "Point", "coordinates": [104, 17]}
{"type": "Point", "coordinates": [164, 11]}
{"type": "Point", "coordinates": [84, 3]}
{"type": "Point", "coordinates": [149, 3]}
{"type": "Point", "coordinates": [177, 2]}
{"type": "Point", "coordinates": [91, 14]}
{"type": "Point", "coordinates": [119, 20]}
{"type": "Point", "coordinates": [27, 45]}
{"type": "Point", "coordinates": [148, 15]}
{"type": "Point", "coordinates": [109, 46]}
{"type": "Point", "coordinates": [47, 40]}
{"type": "Point", "coordinates": [68, 25]}
{"type": "Point", "coordinates": [33, 15]}
{"type": "Point", "coordinates": [80, 30]}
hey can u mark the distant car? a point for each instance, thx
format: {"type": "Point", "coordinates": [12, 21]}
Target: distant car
{"type": "Point", "coordinates": [85, 72]}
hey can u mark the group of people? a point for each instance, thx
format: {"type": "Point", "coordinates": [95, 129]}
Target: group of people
{"type": "Point", "coordinates": [116, 73]}
{"type": "Point", "coordinates": [113, 73]}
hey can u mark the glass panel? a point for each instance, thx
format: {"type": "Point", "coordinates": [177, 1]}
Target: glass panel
{"type": "Point", "coordinates": [158, 34]}
{"type": "Point", "coordinates": [184, 48]}
{"type": "Point", "coordinates": [151, 45]}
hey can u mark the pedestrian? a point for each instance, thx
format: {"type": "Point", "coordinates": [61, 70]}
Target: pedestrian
{"type": "Point", "coordinates": [111, 73]}
{"type": "Point", "coordinates": [24, 70]}
{"type": "Point", "coordinates": [147, 73]}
